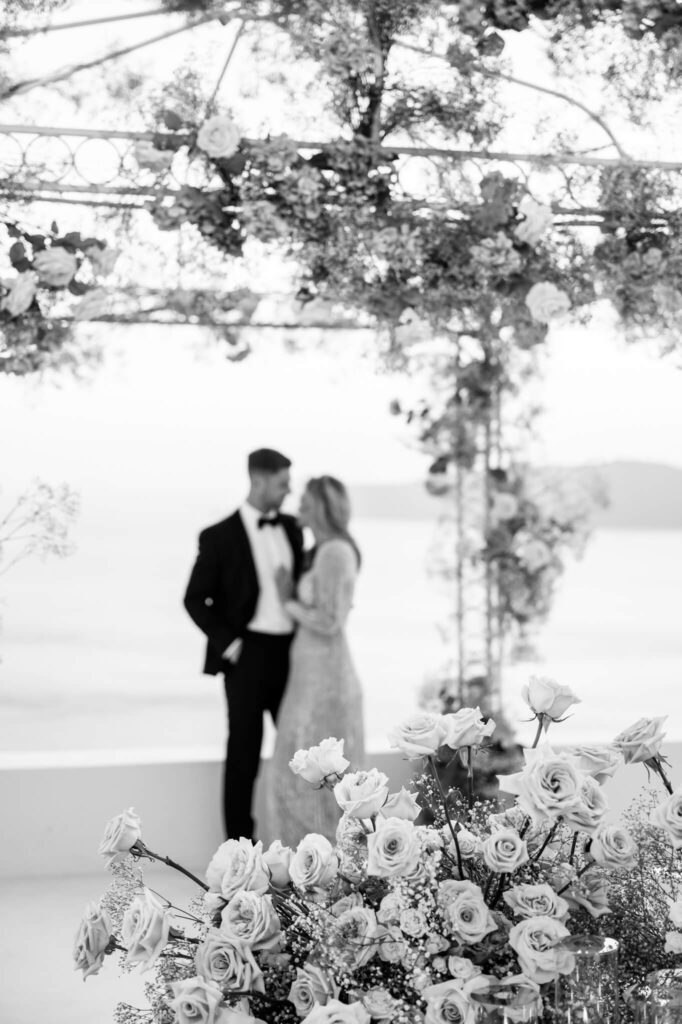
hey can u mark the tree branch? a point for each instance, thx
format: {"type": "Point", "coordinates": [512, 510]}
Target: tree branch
{"type": "Point", "coordinates": [556, 93]}
{"type": "Point", "coordinates": [19, 88]}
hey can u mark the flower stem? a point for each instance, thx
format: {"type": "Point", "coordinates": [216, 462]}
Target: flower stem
{"type": "Point", "coordinates": [141, 850]}
{"type": "Point", "coordinates": [470, 777]}
{"type": "Point", "coordinates": [444, 801]}
{"type": "Point", "coordinates": [548, 839]}
{"type": "Point", "coordinates": [538, 734]}
{"type": "Point", "coordinates": [573, 846]}
{"type": "Point", "coordinates": [655, 763]}
{"type": "Point", "coordinates": [582, 871]}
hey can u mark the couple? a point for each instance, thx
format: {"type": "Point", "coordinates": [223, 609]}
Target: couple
{"type": "Point", "coordinates": [274, 616]}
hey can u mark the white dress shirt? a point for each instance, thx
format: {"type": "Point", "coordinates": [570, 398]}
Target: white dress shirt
{"type": "Point", "coordinates": [271, 550]}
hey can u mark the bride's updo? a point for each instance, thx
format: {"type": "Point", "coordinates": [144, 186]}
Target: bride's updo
{"type": "Point", "coordinates": [333, 506]}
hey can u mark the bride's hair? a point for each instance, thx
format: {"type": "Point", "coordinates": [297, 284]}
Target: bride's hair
{"type": "Point", "coordinates": [333, 502]}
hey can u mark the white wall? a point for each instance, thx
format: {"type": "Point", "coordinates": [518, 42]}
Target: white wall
{"type": "Point", "coordinates": [53, 815]}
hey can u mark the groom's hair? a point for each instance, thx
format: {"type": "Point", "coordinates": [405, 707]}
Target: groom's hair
{"type": "Point", "coordinates": [267, 460]}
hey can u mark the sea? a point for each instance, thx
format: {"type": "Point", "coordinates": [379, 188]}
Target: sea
{"type": "Point", "coordinates": [99, 657]}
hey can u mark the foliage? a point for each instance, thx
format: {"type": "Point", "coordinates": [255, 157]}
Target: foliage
{"type": "Point", "coordinates": [398, 920]}
{"type": "Point", "coordinates": [35, 312]}
{"type": "Point", "coordinates": [38, 523]}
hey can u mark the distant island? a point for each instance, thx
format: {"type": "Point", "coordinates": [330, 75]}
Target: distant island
{"type": "Point", "coordinates": [642, 496]}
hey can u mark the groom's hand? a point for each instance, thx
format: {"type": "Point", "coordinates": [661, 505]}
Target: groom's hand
{"type": "Point", "coordinates": [233, 651]}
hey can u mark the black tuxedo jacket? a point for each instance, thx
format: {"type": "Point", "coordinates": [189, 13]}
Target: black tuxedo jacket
{"type": "Point", "coordinates": [222, 592]}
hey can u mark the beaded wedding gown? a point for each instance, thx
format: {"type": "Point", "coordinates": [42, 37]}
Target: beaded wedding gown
{"type": "Point", "coordinates": [323, 697]}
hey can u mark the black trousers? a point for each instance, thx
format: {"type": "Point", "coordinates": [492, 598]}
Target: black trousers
{"type": "Point", "coordinates": [254, 685]}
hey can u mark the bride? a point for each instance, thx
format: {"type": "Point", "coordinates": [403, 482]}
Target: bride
{"type": "Point", "coordinates": [323, 696]}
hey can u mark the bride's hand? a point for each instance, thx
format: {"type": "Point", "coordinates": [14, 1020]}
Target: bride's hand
{"type": "Point", "coordinates": [285, 584]}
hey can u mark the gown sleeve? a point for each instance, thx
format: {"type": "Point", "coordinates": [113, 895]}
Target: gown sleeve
{"type": "Point", "coordinates": [334, 578]}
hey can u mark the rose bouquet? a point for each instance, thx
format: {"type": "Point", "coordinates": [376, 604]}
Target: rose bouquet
{"type": "Point", "coordinates": [398, 921]}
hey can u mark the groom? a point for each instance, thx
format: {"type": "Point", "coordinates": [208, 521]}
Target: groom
{"type": "Point", "coordinates": [232, 596]}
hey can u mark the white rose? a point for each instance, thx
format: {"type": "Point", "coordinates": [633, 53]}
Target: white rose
{"type": "Point", "coordinates": [533, 553]}
{"type": "Point", "coordinates": [413, 922]}
{"type": "Point", "coordinates": [228, 963]}
{"type": "Point", "coordinates": [548, 787]}
{"type": "Point", "coordinates": [464, 911]}
{"type": "Point", "coordinates": [612, 847]}
{"type": "Point", "coordinates": [277, 859]}
{"type": "Point", "coordinates": [196, 1002]}
{"type": "Point", "coordinates": [642, 740]}
{"type": "Point", "coordinates": [390, 908]}
{"type": "Point", "coordinates": [314, 864]}
{"type": "Point", "coordinates": [120, 835]}
{"type": "Point", "coordinates": [392, 945]}
{"type": "Point", "coordinates": [144, 929]}
{"type": "Point", "coordinates": [504, 851]}
{"type": "Point", "coordinates": [592, 806]}
{"type": "Point", "coordinates": [469, 844]}
{"type": "Point", "coordinates": [420, 735]}
{"type": "Point", "coordinates": [22, 290]}
{"type": "Point", "coordinates": [446, 1003]}
{"type": "Point", "coordinates": [251, 918]}
{"type": "Point", "coordinates": [504, 506]}
{"type": "Point", "coordinates": [92, 306]}
{"type": "Point", "coordinates": [537, 218]}
{"type": "Point", "coordinates": [394, 849]}
{"type": "Point", "coordinates": [534, 942]}
{"type": "Point", "coordinates": [324, 761]}
{"type": "Point", "coordinates": [401, 805]}
{"type": "Point", "coordinates": [380, 1004]}
{"type": "Point", "coordinates": [536, 901]}
{"type": "Point", "coordinates": [92, 938]}
{"type": "Point", "coordinates": [675, 913]}
{"type": "Point", "coordinates": [219, 137]}
{"type": "Point", "coordinates": [355, 934]}
{"type": "Point", "coordinates": [600, 761]}
{"type": "Point", "coordinates": [56, 267]}
{"type": "Point", "coordinates": [312, 986]}
{"type": "Point", "coordinates": [668, 816]}
{"type": "Point", "coordinates": [466, 728]}
{"type": "Point", "coordinates": [353, 899]}
{"type": "Point", "coordinates": [237, 864]}
{"type": "Point", "coordinates": [547, 697]}
{"type": "Point", "coordinates": [673, 942]}
{"type": "Point", "coordinates": [546, 302]}
{"type": "Point", "coordinates": [103, 258]}
{"type": "Point", "coordinates": [338, 1013]}
{"type": "Point", "coordinates": [362, 794]}
{"type": "Point", "coordinates": [147, 155]}
{"type": "Point", "coordinates": [462, 969]}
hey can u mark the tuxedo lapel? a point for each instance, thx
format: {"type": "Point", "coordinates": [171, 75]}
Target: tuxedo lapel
{"type": "Point", "coordinates": [244, 544]}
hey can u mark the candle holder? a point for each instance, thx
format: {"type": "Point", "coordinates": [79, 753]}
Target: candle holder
{"type": "Point", "coordinates": [589, 993]}
{"type": "Point", "coordinates": [665, 1000]}
{"type": "Point", "coordinates": [506, 1003]}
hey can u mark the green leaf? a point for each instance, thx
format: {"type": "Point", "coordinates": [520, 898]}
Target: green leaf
{"type": "Point", "coordinates": [13, 231]}
{"type": "Point", "coordinates": [53, 228]}
{"type": "Point", "coordinates": [23, 265]}
{"type": "Point", "coordinates": [77, 287]}
{"type": "Point", "coordinates": [172, 120]}
{"type": "Point", "coordinates": [234, 165]}
{"type": "Point", "coordinates": [72, 238]}
{"type": "Point", "coordinates": [17, 253]}
{"type": "Point", "coordinates": [37, 242]}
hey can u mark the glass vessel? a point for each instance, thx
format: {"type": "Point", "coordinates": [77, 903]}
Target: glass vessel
{"type": "Point", "coordinates": [588, 994]}
{"type": "Point", "coordinates": [665, 1001]}
{"type": "Point", "coordinates": [506, 1003]}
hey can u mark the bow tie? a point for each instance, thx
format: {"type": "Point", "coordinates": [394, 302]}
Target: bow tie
{"type": "Point", "coordinates": [275, 520]}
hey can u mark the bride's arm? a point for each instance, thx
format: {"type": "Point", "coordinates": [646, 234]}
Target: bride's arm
{"type": "Point", "coordinates": [335, 579]}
